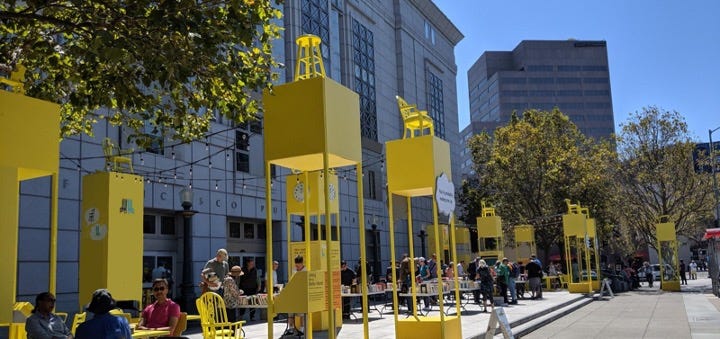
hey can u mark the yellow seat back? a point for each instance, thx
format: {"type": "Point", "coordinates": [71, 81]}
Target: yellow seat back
{"type": "Point", "coordinates": [414, 120]}
{"type": "Point", "coordinates": [213, 318]}
{"type": "Point", "coordinates": [77, 320]}
{"type": "Point", "coordinates": [181, 325]}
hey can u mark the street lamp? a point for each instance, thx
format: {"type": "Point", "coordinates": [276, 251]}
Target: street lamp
{"type": "Point", "coordinates": [422, 236]}
{"type": "Point", "coordinates": [187, 287]}
{"type": "Point", "coordinates": [716, 193]}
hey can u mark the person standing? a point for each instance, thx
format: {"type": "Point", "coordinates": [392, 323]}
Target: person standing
{"type": "Point", "coordinates": [347, 278]}
{"type": "Point", "coordinates": [486, 284]}
{"type": "Point", "coordinates": [648, 273]}
{"type": "Point", "coordinates": [503, 273]}
{"type": "Point", "coordinates": [472, 275]}
{"type": "Point", "coordinates": [461, 269]}
{"type": "Point", "coordinates": [513, 275]}
{"type": "Point", "coordinates": [103, 325]}
{"type": "Point", "coordinates": [219, 266]}
{"type": "Point", "coordinates": [693, 270]}
{"type": "Point", "coordinates": [534, 274]}
{"type": "Point", "coordinates": [249, 283]}
{"type": "Point", "coordinates": [163, 314]}
{"type": "Point", "coordinates": [42, 323]}
{"type": "Point", "coordinates": [683, 273]}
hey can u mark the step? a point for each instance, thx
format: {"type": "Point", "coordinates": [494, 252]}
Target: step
{"type": "Point", "coordinates": [545, 318]}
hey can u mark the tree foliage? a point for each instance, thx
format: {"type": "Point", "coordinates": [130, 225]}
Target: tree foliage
{"type": "Point", "coordinates": [168, 64]}
{"type": "Point", "coordinates": [531, 165]}
{"type": "Point", "coordinates": [655, 176]}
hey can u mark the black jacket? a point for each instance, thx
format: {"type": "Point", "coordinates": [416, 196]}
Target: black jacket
{"type": "Point", "coordinates": [249, 281]}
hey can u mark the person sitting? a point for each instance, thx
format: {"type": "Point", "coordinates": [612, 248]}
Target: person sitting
{"type": "Point", "coordinates": [163, 314]}
{"type": "Point", "coordinates": [42, 323]}
{"type": "Point", "coordinates": [103, 325]}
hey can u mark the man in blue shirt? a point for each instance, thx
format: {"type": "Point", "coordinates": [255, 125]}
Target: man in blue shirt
{"type": "Point", "coordinates": [103, 325]}
{"type": "Point", "coordinates": [43, 324]}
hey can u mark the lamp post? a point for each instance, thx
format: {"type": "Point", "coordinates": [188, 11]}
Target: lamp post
{"type": "Point", "coordinates": [422, 236]}
{"type": "Point", "coordinates": [716, 193]}
{"type": "Point", "coordinates": [188, 287]}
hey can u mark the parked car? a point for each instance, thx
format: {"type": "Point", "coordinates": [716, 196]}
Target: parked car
{"type": "Point", "coordinates": [669, 272]}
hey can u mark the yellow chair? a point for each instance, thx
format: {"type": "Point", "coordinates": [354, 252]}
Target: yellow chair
{"type": "Point", "coordinates": [62, 315]}
{"type": "Point", "coordinates": [119, 313]}
{"type": "Point", "coordinates": [563, 280]}
{"type": "Point", "coordinates": [115, 159]}
{"type": "Point", "coordinates": [414, 120]}
{"type": "Point", "coordinates": [213, 318]}
{"type": "Point", "coordinates": [181, 325]}
{"type": "Point", "coordinates": [16, 80]}
{"type": "Point", "coordinates": [77, 320]}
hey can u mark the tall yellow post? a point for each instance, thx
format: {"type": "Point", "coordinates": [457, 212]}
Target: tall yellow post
{"type": "Point", "coordinates": [29, 148]}
{"type": "Point", "coordinates": [312, 125]}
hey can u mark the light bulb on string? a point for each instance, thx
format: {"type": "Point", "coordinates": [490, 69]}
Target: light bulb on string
{"type": "Point", "coordinates": [244, 186]}
{"type": "Point", "coordinates": [227, 156]}
{"type": "Point", "coordinates": [216, 185]}
{"type": "Point", "coordinates": [210, 164]}
{"type": "Point", "coordinates": [191, 171]}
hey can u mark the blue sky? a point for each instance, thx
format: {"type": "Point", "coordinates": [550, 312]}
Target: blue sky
{"type": "Point", "coordinates": [662, 52]}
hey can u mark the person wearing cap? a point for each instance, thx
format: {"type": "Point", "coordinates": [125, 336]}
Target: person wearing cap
{"type": "Point", "coordinates": [164, 313]}
{"type": "Point", "coordinates": [103, 325]}
{"type": "Point", "coordinates": [42, 323]}
{"type": "Point", "coordinates": [232, 292]}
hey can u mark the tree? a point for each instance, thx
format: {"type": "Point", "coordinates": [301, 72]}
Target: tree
{"type": "Point", "coordinates": [535, 162]}
{"type": "Point", "coordinates": [160, 66]}
{"type": "Point", "coordinates": [655, 176]}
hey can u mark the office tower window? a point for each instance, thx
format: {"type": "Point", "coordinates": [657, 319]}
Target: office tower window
{"type": "Point", "coordinates": [364, 74]}
{"type": "Point", "coordinates": [315, 20]}
{"type": "Point", "coordinates": [436, 103]}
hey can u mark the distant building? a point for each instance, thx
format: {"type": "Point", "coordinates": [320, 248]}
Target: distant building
{"type": "Point", "coordinates": [572, 75]}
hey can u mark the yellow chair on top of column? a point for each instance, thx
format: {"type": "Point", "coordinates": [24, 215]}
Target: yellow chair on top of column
{"type": "Point", "coordinates": [414, 120]}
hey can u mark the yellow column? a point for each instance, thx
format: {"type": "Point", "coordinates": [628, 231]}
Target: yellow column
{"type": "Point", "coordinates": [9, 200]}
{"type": "Point", "coordinates": [363, 255]}
{"type": "Point", "coordinates": [269, 248]}
{"type": "Point", "coordinates": [393, 258]}
{"type": "Point", "coordinates": [413, 287]}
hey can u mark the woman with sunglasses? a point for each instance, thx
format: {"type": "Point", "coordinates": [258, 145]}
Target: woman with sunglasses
{"type": "Point", "coordinates": [43, 324]}
{"type": "Point", "coordinates": [164, 313]}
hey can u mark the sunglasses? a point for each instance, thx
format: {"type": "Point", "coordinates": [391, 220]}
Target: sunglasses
{"type": "Point", "coordinates": [50, 300]}
{"type": "Point", "coordinates": [156, 289]}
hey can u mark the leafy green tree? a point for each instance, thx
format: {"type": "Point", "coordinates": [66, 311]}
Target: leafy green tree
{"type": "Point", "coordinates": [170, 64]}
{"type": "Point", "coordinates": [531, 165]}
{"type": "Point", "coordinates": [655, 176]}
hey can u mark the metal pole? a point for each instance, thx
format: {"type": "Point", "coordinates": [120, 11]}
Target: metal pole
{"type": "Point", "coordinates": [188, 288]}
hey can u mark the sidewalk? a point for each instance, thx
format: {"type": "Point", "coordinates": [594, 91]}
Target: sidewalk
{"type": "Point", "coordinates": [644, 313]}
{"type": "Point", "coordinates": [473, 322]}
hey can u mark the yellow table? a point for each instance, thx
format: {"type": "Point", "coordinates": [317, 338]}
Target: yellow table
{"type": "Point", "coordinates": [150, 333]}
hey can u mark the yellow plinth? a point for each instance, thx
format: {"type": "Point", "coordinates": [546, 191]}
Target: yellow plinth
{"type": "Point", "coordinates": [428, 327]}
{"type": "Point", "coordinates": [414, 164]}
{"type": "Point", "coordinates": [308, 117]}
{"type": "Point", "coordinates": [671, 286]}
{"type": "Point", "coordinates": [583, 287]}
{"type": "Point", "coordinates": [111, 237]}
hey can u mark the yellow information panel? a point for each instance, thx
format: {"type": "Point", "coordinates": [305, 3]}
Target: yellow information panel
{"type": "Point", "coordinates": [111, 237]}
{"type": "Point", "coordinates": [295, 195]}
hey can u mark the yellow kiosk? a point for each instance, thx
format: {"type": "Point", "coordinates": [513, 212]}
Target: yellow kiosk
{"type": "Point", "coordinates": [312, 125]}
{"type": "Point", "coordinates": [419, 166]}
{"type": "Point", "coordinates": [490, 235]}
{"type": "Point", "coordinates": [524, 242]}
{"type": "Point", "coordinates": [29, 148]}
{"type": "Point", "coordinates": [667, 245]}
{"type": "Point", "coordinates": [580, 250]}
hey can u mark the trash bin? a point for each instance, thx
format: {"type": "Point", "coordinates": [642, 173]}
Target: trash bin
{"type": "Point", "coordinates": [21, 311]}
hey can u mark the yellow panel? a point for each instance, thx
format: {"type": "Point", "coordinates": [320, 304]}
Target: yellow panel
{"type": "Point", "coordinates": [424, 157]}
{"type": "Point", "coordinates": [524, 233]}
{"type": "Point", "coordinates": [444, 239]}
{"type": "Point", "coordinates": [316, 193]}
{"type": "Point", "coordinates": [304, 293]}
{"type": "Point", "coordinates": [666, 231]}
{"type": "Point", "coordinates": [320, 319]}
{"type": "Point", "coordinates": [583, 287]}
{"type": "Point", "coordinates": [111, 238]}
{"type": "Point", "coordinates": [574, 225]}
{"type": "Point", "coordinates": [9, 200]}
{"type": "Point", "coordinates": [429, 327]}
{"type": "Point", "coordinates": [591, 228]}
{"type": "Point", "coordinates": [303, 119]}
{"type": "Point", "coordinates": [670, 286]}
{"type": "Point", "coordinates": [489, 227]}
{"type": "Point", "coordinates": [29, 134]}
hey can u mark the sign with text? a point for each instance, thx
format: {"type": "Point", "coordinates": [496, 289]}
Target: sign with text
{"type": "Point", "coordinates": [445, 194]}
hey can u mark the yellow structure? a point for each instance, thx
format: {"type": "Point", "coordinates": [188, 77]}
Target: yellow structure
{"type": "Point", "coordinates": [414, 120]}
{"type": "Point", "coordinates": [462, 244]}
{"type": "Point", "coordinates": [313, 125]}
{"type": "Point", "coordinates": [524, 242]}
{"type": "Point", "coordinates": [667, 245]}
{"type": "Point", "coordinates": [15, 82]}
{"type": "Point", "coordinates": [581, 253]}
{"type": "Point", "coordinates": [420, 166]}
{"type": "Point", "coordinates": [29, 148]}
{"type": "Point", "coordinates": [490, 235]}
{"type": "Point", "coordinates": [111, 235]}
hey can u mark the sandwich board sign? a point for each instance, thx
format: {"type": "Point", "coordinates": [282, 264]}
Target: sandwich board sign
{"type": "Point", "coordinates": [498, 318]}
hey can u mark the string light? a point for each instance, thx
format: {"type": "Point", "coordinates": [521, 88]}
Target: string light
{"type": "Point", "coordinates": [216, 185]}
{"type": "Point", "coordinates": [142, 159]}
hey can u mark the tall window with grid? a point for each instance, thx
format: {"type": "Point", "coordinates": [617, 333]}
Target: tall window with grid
{"type": "Point", "coordinates": [436, 103]}
{"type": "Point", "coordinates": [315, 20]}
{"type": "Point", "coordinates": [364, 74]}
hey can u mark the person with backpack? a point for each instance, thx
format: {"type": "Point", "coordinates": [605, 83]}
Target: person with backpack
{"type": "Point", "coordinates": [472, 275]}
{"type": "Point", "coordinates": [486, 284]}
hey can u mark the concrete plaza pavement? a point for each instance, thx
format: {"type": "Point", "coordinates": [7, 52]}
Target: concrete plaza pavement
{"type": "Point", "coordinates": [644, 313]}
{"type": "Point", "coordinates": [474, 322]}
